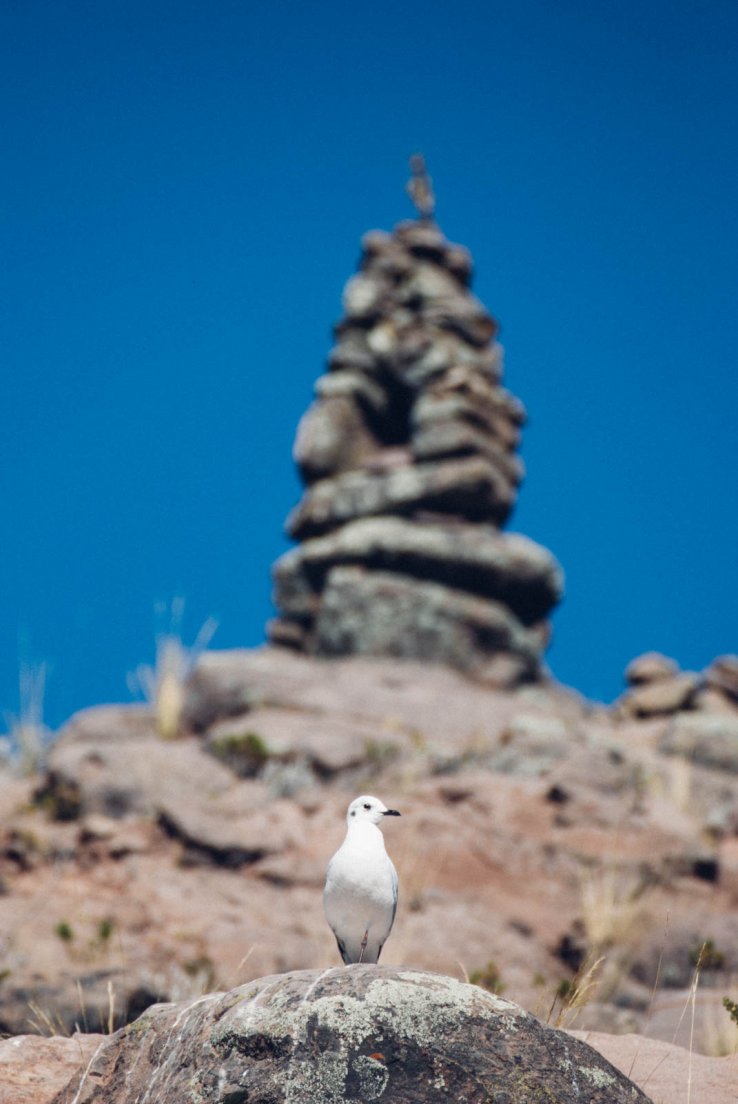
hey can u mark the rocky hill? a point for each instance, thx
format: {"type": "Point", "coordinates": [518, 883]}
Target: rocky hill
{"type": "Point", "coordinates": [577, 860]}
{"type": "Point", "coordinates": [539, 836]}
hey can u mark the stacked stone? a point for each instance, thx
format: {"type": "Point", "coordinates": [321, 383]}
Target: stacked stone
{"type": "Point", "coordinates": [657, 686]}
{"type": "Point", "coordinates": [408, 456]}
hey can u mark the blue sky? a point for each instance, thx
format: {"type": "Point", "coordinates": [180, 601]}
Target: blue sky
{"type": "Point", "coordinates": [183, 192]}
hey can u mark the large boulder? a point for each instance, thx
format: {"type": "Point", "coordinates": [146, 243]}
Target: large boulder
{"type": "Point", "coordinates": [361, 1033]}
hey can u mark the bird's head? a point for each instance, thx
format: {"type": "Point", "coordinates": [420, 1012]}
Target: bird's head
{"type": "Point", "coordinates": [368, 808]}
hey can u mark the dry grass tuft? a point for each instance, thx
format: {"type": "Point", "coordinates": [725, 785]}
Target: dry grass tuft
{"type": "Point", "coordinates": [612, 918]}
{"type": "Point", "coordinates": [719, 1035]}
{"type": "Point", "coordinates": [572, 996]}
{"type": "Point", "coordinates": [163, 685]}
{"type": "Point", "coordinates": [612, 907]}
{"type": "Point", "coordinates": [28, 736]}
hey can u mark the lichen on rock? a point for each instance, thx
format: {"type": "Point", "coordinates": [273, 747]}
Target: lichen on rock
{"type": "Point", "coordinates": [360, 1033]}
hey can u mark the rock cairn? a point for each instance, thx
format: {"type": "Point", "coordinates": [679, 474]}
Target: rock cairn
{"type": "Point", "coordinates": [658, 687]}
{"type": "Point", "coordinates": [409, 459]}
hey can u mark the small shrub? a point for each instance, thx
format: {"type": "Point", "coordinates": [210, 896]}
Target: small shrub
{"type": "Point", "coordinates": [707, 956]}
{"type": "Point", "coordinates": [105, 929]}
{"type": "Point", "coordinates": [64, 931]}
{"type": "Point", "coordinates": [380, 752]}
{"type": "Point", "coordinates": [60, 798]}
{"type": "Point", "coordinates": [564, 989]}
{"type": "Point", "coordinates": [572, 994]}
{"type": "Point", "coordinates": [488, 978]}
{"type": "Point", "coordinates": [244, 752]}
{"type": "Point", "coordinates": [201, 971]}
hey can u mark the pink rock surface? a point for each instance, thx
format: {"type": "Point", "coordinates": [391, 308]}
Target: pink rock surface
{"type": "Point", "coordinates": [34, 1069]}
{"type": "Point", "coordinates": [668, 1074]}
{"type": "Point", "coordinates": [177, 875]}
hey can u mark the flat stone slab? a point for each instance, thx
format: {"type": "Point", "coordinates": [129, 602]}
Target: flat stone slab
{"type": "Point", "coordinates": [471, 487]}
{"type": "Point", "coordinates": [506, 567]}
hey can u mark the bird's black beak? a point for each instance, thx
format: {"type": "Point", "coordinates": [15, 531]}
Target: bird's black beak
{"type": "Point", "coordinates": [391, 812]}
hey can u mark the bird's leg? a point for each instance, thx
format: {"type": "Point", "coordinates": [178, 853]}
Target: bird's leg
{"type": "Point", "coordinates": [364, 942]}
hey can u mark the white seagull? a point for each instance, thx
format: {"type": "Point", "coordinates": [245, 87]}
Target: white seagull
{"type": "Point", "coordinates": [360, 896]}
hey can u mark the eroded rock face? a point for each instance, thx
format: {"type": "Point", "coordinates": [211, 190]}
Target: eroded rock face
{"type": "Point", "coordinates": [361, 1033]}
{"type": "Point", "coordinates": [408, 454]}
{"type": "Point", "coordinates": [162, 867]}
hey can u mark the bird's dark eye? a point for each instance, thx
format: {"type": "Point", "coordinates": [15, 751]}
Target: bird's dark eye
{"type": "Point", "coordinates": [367, 805]}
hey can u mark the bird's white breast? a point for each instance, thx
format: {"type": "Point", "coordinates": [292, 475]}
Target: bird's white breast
{"type": "Point", "coordinates": [360, 876]}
